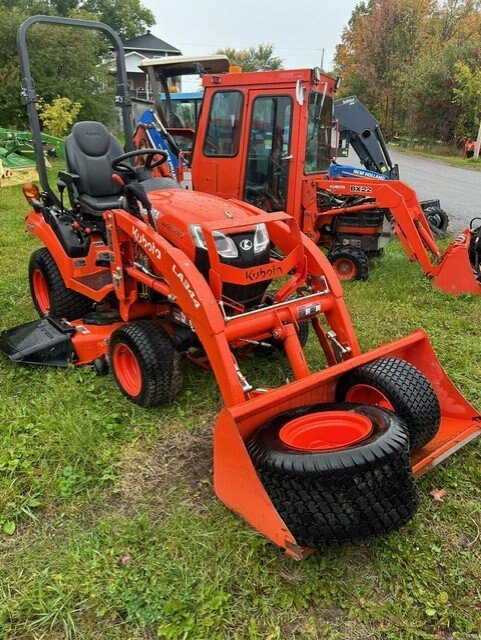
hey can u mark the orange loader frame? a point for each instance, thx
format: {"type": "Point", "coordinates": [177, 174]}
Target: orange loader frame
{"type": "Point", "coordinates": [451, 271]}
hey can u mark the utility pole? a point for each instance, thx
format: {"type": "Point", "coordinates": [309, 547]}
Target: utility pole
{"type": "Point", "coordinates": [478, 143]}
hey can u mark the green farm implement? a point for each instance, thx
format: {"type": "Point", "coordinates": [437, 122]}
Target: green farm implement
{"type": "Point", "coordinates": [17, 164]}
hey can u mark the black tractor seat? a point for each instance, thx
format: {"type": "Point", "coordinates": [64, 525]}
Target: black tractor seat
{"type": "Point", "coordinates": [89, 152]}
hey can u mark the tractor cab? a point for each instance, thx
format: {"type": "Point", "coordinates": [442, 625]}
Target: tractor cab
{"type": "Point", "coordinates": [171, 125]}
{"type": "Point", "coordinates": [261, 136]}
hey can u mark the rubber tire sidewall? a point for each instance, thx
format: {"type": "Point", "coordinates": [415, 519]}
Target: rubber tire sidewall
{"type": "Point", "coordinates": [64, 302]}
{"type": "Point", "coordinates": [358, 258]}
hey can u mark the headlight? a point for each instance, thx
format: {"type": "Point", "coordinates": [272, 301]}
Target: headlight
{"type": "Point", "coordinates": [225, 246]}
{"type": "Point", "coordinates": [261, 238]}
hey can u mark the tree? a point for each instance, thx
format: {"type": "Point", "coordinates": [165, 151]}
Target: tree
{"type": "Point", "coordinates": [64, 61]}
{"type": "Point", "coordinates": [467, 93]}
{"type": "Point", "coordinates": [57, 116]}
{"type": "Point", "coordinates": [128, 17]}
{"type": "Point", "coordinates": [256, 58]}
{"type": "Point", "coordinates": [399, 57]}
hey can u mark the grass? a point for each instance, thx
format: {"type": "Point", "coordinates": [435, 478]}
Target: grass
{"type": "Point", "coordinates": [453, 158]}
{"type": "Point", "coordinates": [111, 531]}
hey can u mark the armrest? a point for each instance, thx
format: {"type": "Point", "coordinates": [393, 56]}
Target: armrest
{"type": "Point", "coordinates": [68, 178]}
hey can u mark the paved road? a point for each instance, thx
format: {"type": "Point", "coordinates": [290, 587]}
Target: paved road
{"type": "Point", "coordinates": [458, 189]}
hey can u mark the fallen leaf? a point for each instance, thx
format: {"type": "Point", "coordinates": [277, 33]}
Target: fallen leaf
{"type": "Point", "coordinates": [438, 494]}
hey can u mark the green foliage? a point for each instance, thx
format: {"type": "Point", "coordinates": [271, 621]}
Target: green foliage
{"type": "Point", "coordinates": [399, 57]}
{"type": "Point", "coordinates": [467, 93]}
{"type": "Point", "coordinates": [59, 115]}
{"type": "Point", "coordinates": [256, 58]}
{"type": "Point", "coordinates": [128, 17]}
{"type": "Point", "coordinates": [65, 61]}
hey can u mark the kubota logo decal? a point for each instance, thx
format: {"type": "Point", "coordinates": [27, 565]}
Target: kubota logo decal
{"type": "Point", "coordinates": [246, 245]}
{"type": "Point", "coordinates": [146, 244]}
{"type": "Point", "coordinates": [187, 286]}
{"type": "Point", "coordinates": [264, 272]}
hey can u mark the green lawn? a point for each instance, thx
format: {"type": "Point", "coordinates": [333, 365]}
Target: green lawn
{"type": "Point", "coordinates": [111, 529]}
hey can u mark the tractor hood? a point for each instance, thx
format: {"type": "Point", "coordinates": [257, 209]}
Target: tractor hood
{"type": "Point", "coordinates": [179, 209]}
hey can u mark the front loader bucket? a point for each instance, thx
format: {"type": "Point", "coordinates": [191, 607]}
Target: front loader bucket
{"type": "Point", "coordinates": [236, 481]}
{"type": "Point", "coordinates": [454, 274]}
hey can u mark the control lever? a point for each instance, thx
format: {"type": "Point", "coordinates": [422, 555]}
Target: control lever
{"type": "Point", "coordinates": [61, 186]}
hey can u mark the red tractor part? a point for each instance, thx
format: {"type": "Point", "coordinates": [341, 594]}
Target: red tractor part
{"type": "Point", "coordinates": [237, 483]}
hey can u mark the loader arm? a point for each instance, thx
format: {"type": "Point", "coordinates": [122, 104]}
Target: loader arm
{"type": "Point", "coordinates": [362, 131]}
{"type": "Point", "coordinates": [407, 216]}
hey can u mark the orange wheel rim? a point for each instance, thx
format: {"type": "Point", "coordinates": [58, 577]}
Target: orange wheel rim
{"type": "Point", "coordinates": [345, 268]}
{"type": "Point", "coordinates": [325, 430]}
{"type": "Point", "coordinates": [40, 291]}
{"type": "Point", "coordinates": [366, 394]}
{"type": "Point", "coordinates": [127, 369]}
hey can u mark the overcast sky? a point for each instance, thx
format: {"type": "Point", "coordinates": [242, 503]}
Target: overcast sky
{"type": "Point", "coordinates": [299, 30]}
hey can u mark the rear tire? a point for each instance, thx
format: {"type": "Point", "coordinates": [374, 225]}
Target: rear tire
{"type": "Point", "coordinates": [49, 294]}
{"type": "Point", "coordinates": [145, 364]}
{"type": "Point", "coordinates": [343, 491]}
{"type": "Point", "coordinates": [438, 221]}
{"type": "Point", "coordinates": [401, 388]}
{"type": "Point", "coordinates": [350, 263]}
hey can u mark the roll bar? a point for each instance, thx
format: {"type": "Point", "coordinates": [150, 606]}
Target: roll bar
{"type": "Point", "coordinates": [29, 95]}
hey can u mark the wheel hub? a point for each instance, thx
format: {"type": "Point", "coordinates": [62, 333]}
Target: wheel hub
{"type": "Point", "coordinates": [325, 430]}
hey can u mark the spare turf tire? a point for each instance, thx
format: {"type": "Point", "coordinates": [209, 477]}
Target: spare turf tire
{"type": "Point", "coordinates": [398, 386]}
{"type": "Point", "coordinates": [336, 472]}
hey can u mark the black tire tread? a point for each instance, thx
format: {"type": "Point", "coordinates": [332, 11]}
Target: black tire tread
{"type": "Point", "coordinates": [159, 361]}
{"type": "Point", "coordinates": [409, 391]}
{"type": "Point", "coordinates": [438, 231]}
{"type": "Point", "coordinates": [328, 500]}
{"type": "Point", "coordinates": [64, 302]}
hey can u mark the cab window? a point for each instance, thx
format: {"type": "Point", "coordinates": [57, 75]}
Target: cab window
{"type": "Point", "coordinates": [224, 125]}
{"type": "Point", "coordinates": [268, 154]}
{"type": "Point", "coordinates": [319, 128]}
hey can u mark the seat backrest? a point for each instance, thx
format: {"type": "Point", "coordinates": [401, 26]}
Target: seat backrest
{"type": "Point", "coordinates": [89, 151]}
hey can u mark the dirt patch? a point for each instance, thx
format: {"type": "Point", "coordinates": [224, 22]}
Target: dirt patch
{"type": "Point", "coordinates": [178, 469]}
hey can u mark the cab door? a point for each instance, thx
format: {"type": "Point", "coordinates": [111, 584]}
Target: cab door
{"type": "Point", "coordinates": [269, 150]}
{"type": "Point", "coordinates": [217, 156]}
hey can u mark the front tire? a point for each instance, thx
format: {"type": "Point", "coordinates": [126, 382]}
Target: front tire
{"type": "Point", "coordinates": [49, 294]}
{"type": "Point", "coordinates": [349, 263]}
{"type": "Point", "coordinates": [145, 364]}
{"type": "Point", "coordinates": [336, 473]}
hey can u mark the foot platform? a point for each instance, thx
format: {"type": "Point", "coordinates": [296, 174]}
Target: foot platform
{"type": "Point", "coordinates": [45, 342]}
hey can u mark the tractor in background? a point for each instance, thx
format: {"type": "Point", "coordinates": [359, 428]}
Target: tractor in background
{"type": "Point", "coordinates": [268, 138]}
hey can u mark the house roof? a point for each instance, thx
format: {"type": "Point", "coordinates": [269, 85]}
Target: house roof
{"type": "Point", "coordinates": [149, 42]}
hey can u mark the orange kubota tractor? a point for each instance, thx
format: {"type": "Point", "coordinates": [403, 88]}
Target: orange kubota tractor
{"type": "Point", "coordinates": [266, 138]}
{"type": "Point", "coordinates": [136, 272]}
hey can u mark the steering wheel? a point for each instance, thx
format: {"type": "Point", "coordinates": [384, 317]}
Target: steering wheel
{"type": "Point", "coordinates": [120, 163]}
